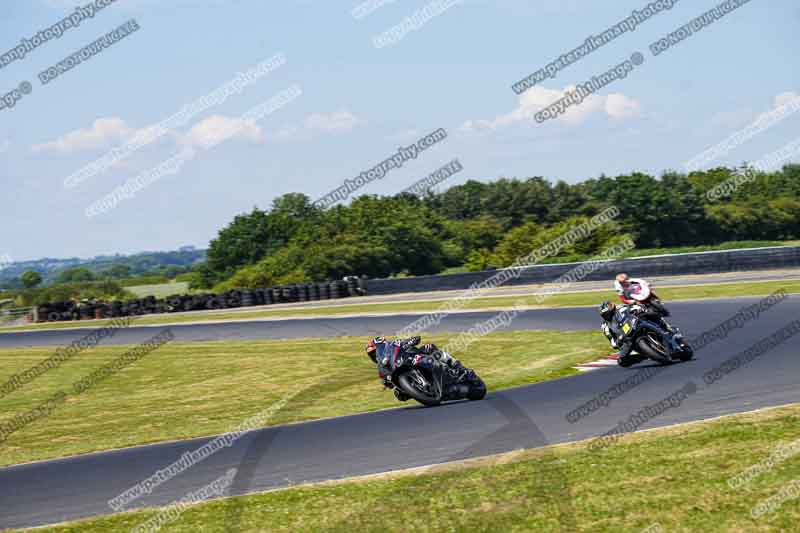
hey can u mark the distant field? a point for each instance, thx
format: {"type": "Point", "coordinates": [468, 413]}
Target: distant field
{"type": "Point", "coordinates": [161, 290]}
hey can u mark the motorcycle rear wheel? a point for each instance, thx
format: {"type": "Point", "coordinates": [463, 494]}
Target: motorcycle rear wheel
{"type": "Point", "coordinates": [407, 384]}
{"type": "Point", "coordinates": [652, 348]}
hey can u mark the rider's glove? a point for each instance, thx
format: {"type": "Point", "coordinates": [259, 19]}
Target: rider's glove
{"type": "Point", "coordinates": [606, 330]}
{"type": "Point", "coordinates": [428, 348]}
{"type": "Point", "coordinates": [413, 341]}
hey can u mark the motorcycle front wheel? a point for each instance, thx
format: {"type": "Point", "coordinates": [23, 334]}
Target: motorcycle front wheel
{"type": "Point", "coordinates": [652, 346]}
{"type": "Point", "coordinates": [477, 390]}
{"type": "Point", "coordinates": [686, 354]}
{"type": "Point", "coordinates": [414, 384]}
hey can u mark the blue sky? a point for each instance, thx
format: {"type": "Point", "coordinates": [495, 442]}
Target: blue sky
{"type": "Point", "coordinates": [359, 103]}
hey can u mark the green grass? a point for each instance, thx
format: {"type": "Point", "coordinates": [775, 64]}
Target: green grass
{"type": "Point", "coordinates": [196, 389]}
{"type": "Point", "coordinates": [687, 292]}
{"type": "Point", "coordinates": [162, 290]}
{"type": "Point", "coordinates": [675, 477]}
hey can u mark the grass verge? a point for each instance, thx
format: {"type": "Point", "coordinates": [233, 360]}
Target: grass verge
{"type": "Point", "coordinates": [194, 389]}
{"type": "Point", "coordinates": [719, 290]}
{"type": "Point", "coordinates": [161, 290]}
{"type": "Point", "coordinates": [675, 477]}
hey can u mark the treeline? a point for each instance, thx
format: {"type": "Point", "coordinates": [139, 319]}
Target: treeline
{"type": "Point", "coordinates": [146, 264]}
{"type": "Point", "coordinates": [482, 225]}
{"type": "Point", "coordinates": [106, 291]}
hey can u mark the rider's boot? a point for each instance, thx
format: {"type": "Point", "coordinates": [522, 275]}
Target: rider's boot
{"type": "Point", "coordinates": [627, 356]}
{"type": "Point", "coordinates": [400, 395]}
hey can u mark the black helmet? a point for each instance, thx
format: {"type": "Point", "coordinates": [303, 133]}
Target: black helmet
{"type": "Point", "coordinates": [607, 310]}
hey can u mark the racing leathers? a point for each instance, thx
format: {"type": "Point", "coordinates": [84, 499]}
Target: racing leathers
{"type": "Point", "coordinates": [612, 329]}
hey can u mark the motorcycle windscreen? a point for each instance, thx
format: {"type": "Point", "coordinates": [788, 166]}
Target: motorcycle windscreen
{"type": "Point", "coordinates": [388, 351]}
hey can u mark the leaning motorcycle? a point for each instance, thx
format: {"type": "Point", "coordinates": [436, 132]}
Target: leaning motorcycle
{"type": "Point", "coordinates": [652, 337]}
{"type": "Point", "coordinates": [429, 381]}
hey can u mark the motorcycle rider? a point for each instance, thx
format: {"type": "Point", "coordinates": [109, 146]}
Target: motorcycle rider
{"type": "Point", "coordinates": [613, 315]}
{"type": "Point", "coordinates": [423, 356]}
{"type": "Point", "coordinates": [626, 287]}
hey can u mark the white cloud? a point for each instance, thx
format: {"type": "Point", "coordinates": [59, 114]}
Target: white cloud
{"type": "Point", "coordinates": [743, 117]}
{"type": "Point", "coordinates": [784, 98]}
{"type": "Point", "coordinates": [286, 133]}
{"type": "Point", "coordinates": [620, 107]}
{"type": "Point", "coordinates": [615, 105]}
{"type": "Point", "coordinates": [113, 131]}
{"type": "Point", "coordinates": [728, 119]}
{"type": "Point", "coordinates": [217, 128]}
{"type": "Point", "coordinates": [406, 134]}
{"type": "Point", "coordinates": [330, 123]}
{"type": "Point", "coordinates": [333, 122]}
{"type": "Point", "coordinates": [779, 100]}
{"type": "Point", "coordinates": [102, 133]}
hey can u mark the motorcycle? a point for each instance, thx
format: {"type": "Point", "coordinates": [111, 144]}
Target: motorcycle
{"type": "Point", "coordinates": [429, 381]}
{"type": "Point", "coordinates": [652, 336]}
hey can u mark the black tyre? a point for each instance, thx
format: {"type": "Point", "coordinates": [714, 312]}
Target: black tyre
{"type": "Point", "coordinates": [313, 292]}
{"type": "Point", "coordinates": [651, 346]}
{"type": "Point", "coordinates": [408, 383]}
{"type": "Point", "coordinates": [628, 360]}
{"type": "Point", "coordinates": [269, 296]}
{"type": "Point", "coordinates": [477, 390]}
{"type": "Point", "coordinates": [333, 288]}
{"type": "Point", "coordinates": [247, 298]}
{"type": "Point", "coordinates": [324, 291]}
{"type": "Point", "coordinates": [686, 354]}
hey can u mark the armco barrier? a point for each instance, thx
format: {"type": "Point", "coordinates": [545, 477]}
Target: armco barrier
{"type": "Point", "coordinates": [662, 265]}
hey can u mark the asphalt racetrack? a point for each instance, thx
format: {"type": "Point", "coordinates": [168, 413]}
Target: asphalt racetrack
{"type": "Point", "coordinates": [410, 436]}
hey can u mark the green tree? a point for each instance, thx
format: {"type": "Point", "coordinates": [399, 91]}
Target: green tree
{"type": "Point", "coordinates": [30, 279]}
{"type": "Point", "coordinates": [251, 237]}
{"type": "Point", "coordinates": [75, 275]}
{"type": "Point", "coordinates": [118, 272]}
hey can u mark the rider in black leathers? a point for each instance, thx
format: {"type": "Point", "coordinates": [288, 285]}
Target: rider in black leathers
{"type": "Point", "coordinates": [423, 355]}
{"type": "Point", "coordinates": [613, 316]}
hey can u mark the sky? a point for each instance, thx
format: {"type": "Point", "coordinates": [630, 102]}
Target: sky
{"type": "Point", "coordinates": [357, 100]}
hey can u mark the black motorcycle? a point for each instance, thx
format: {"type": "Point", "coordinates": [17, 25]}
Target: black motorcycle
{"type": "Point", "coordinates": [431, 382]}
{"type": "Point", "coordinates": [653, 337]}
